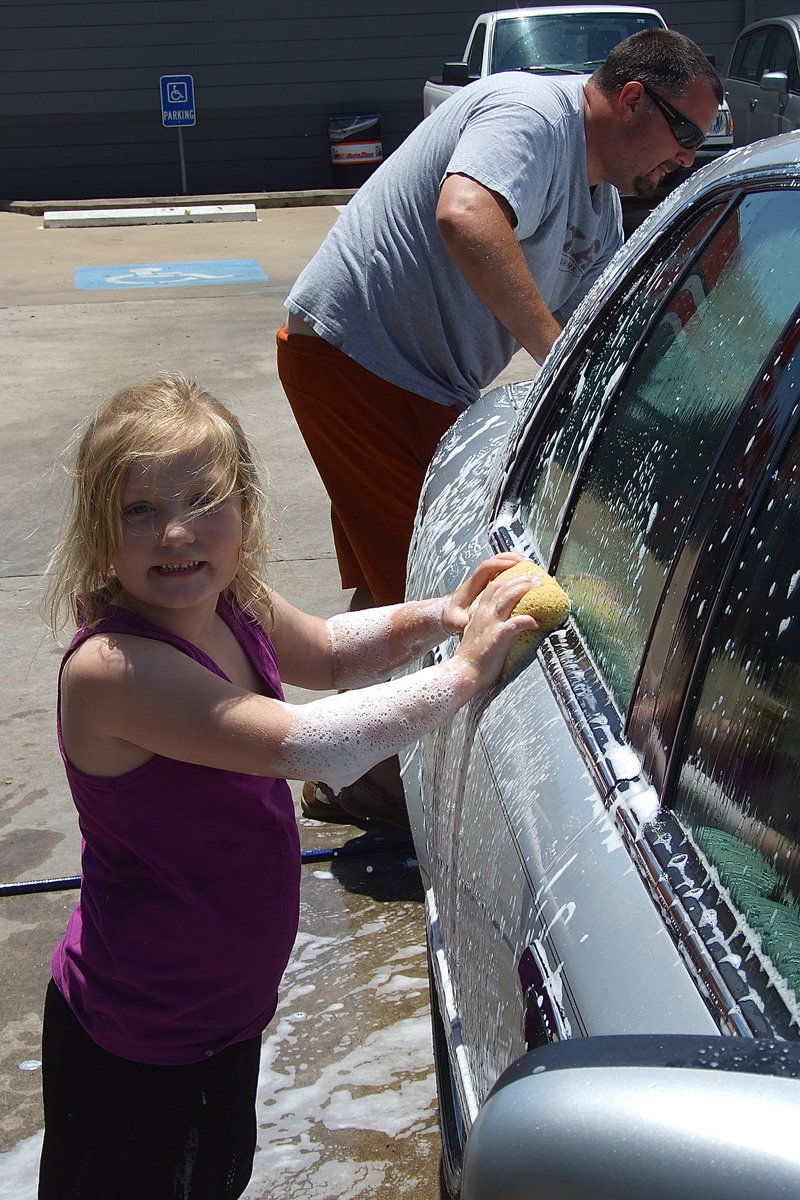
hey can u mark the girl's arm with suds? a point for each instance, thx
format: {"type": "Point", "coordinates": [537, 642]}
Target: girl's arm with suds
{"type": "Point", "coordinates": [337, 743]}
{"type": "Point", "coordinates": [369, 645]}
{"type": "Point", "coordinates": [122, 693]}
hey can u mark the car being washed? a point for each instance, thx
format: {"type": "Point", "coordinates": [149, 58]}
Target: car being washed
{"type": "Point", "coordinates": [610, 838]}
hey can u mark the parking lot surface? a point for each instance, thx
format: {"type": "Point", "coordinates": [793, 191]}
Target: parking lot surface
{"type": "Point", "coordinates": [346, 1102]}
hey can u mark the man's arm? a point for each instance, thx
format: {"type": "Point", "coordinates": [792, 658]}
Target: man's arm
{"type": "Point", "coordinates": [477, 228]}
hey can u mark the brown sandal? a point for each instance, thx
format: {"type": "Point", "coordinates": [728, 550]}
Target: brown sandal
{"type": "Point", "coordinates": [318, 802]}
{"type": "Point", "coordinates": [368, 801]}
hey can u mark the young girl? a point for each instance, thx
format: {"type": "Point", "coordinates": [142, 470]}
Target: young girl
{"type": "Point", "coordinates": [177, 743]}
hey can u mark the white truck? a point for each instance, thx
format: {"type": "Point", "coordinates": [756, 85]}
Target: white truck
{"type": "Point", "coordinates": [556, 41]}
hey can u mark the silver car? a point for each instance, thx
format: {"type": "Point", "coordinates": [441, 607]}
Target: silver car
{"type": "Point", "coordinates": [762, 79]}
{"type": "Point", "coordinates": [610, 839]}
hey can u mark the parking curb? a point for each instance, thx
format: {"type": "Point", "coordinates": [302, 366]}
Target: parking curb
{"type": "Point", "coordinates": [298, 199]}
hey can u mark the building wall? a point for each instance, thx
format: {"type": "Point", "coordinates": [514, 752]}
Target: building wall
{"type": "Point", "coordinates": [79, 86]}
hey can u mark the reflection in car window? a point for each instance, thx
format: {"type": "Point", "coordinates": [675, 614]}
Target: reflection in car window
{"type": "Point", "coordinates": [739, 785]}
{"type": "Point", "coordinates": [559, 450]}
{"type": "Point", "coordinates": [667, 425]}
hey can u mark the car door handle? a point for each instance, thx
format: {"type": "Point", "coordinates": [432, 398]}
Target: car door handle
{"type": "Point", "coordinates": [751, 104]}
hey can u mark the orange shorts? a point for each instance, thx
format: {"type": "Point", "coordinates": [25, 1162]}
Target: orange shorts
{"type": "Point", "coordinates": [371, 443]}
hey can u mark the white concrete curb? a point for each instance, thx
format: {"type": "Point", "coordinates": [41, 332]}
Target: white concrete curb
{"type": "Point", "coordinates": [81, 218]}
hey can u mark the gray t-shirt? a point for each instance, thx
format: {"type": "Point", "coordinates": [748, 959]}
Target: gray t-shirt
{"type": "Point", "coordinates": [383, 288]}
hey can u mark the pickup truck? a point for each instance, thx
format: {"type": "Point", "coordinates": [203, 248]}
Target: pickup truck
{"type": "Point", "coordinates": [556, 41]}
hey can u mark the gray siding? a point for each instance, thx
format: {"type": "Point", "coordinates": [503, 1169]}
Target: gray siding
{"type": "Point", "coordinates": [714, 24]}
{"type": "Point", "coordinates": [79, 99]}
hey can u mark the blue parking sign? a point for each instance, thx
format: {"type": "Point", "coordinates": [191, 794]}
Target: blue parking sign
{"type": "Point", "coordinates": [177, 100]}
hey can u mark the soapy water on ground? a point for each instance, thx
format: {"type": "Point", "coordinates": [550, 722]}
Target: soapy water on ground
{"type": "Point", "coordinates": [346, 1103]}
{"type": "Point", "coordinates": [353, 1114]}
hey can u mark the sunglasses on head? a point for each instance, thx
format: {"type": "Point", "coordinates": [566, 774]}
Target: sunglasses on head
{"type": "Point", "coordinates": [687, 134]}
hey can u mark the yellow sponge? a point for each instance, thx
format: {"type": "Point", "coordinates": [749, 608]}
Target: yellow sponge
{"type": "Point", "coordinates": [547, 602]}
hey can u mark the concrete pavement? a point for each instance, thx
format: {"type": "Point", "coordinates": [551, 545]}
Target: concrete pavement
{"type": "Point", "coordinates": [61, 352]}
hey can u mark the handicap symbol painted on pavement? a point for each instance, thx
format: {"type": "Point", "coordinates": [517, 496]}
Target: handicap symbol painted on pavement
{"type": "Point", "coordinates": [152, 275]}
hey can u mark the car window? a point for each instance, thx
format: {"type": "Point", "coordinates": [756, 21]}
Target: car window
{"type": "Point", "coordinates": [747, 58]}
{"type": "Point", "coordinates": [666, 425]}
{"type": "Point", "coordinates": [739, 785]}
{"type": "Point", "coordinates": [571, 42]}
{"type": "Point", "coordinates": [781, 57]}
{"type": "Point", "coordinates": [475, 61]}
{"type": "Point", "coordinates": [563, 441]}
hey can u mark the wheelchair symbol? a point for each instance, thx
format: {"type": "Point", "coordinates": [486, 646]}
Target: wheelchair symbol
{"type": "Point", "coordinates": [166, 277]}
{"type": "Point", "coordinates": [216, 272]}
{"type": "Point", "coordinates": [177, 93]}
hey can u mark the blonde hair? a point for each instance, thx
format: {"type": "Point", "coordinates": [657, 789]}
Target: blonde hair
{"type": "Point", "coordinates": [164, 416]}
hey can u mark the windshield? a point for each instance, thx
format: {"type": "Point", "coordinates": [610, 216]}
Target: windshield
{"type": "Point", "coordinates": [564, 43]}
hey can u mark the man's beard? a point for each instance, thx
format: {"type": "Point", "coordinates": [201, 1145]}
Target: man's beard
{"type": "Point", "coordinates": [644, 186]}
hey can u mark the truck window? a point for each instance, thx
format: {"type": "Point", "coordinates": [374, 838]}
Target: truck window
{"type": "Point", "coordinates": [475, 59]}
{"type": "Point", "coordinates": [782, 57]}
{"type": "Point", "coordinates": [563, 42]}
{"type": "Point", "coordinates": [748, 56]}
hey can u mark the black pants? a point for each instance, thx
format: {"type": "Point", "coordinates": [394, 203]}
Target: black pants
{"type": "Point", "coordinates": [120, 1130]}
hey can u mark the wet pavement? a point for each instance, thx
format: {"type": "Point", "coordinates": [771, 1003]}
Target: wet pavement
{"type": "Point", "coordinates": [346, 1104]}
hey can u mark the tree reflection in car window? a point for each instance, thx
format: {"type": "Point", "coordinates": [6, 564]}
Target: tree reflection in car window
{"type": "Point", "coordinates": [666, 427]}
{"type": "Point", "coordinates": [560, 448]}
{"type": "Point", "coordinates": [739, 785]}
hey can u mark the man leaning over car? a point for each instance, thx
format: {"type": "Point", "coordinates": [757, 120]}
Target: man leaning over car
{"type": "Point", "coordinates": [481, 233]}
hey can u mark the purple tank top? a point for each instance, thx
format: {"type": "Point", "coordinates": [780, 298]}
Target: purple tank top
{"type": "Point", "coordinates": [189, 899]}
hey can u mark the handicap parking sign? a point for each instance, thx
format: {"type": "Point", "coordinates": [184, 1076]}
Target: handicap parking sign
{"type": "Point", "coordinates": [181, 274]}
{"type": "Point", "coordinates": [177, 100]}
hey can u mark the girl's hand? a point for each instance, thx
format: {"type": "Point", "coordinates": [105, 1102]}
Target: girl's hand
{"type": "Point", "coordinates": [455, 613]}
{"type": "Point", "coordinates": [491, 629]}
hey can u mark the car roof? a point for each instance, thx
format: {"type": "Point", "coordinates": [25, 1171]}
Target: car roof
{"type": "Point", "coordinates": [571, 10]}
{"type": "Point", "coordinates": [792, 19]}
{"type": "Point", "coordinates": [779, 155]}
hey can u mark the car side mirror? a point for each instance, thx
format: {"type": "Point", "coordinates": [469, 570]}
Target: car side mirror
{"type": "Point", "coordinates": [710, 1117]}
{"type": "Point", "coordinates": [775, 81]}
{"type": "Point", "coordinates": [455, 73]}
